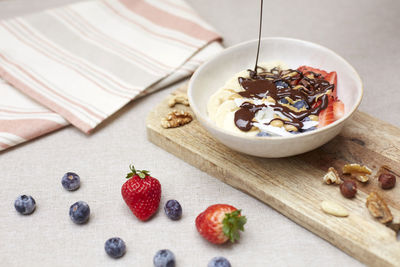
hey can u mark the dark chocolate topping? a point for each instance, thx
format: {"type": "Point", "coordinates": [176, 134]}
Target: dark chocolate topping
{"type": "Point", "coordinates": [308, 87]}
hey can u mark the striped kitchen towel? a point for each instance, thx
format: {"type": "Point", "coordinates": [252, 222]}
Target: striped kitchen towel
{"type": "Point", "coordinates": [85, 61]}
{"type": "Point", "coordinates": [22, 119]}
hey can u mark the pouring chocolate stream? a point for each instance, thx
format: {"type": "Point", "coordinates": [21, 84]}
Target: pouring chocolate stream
{"type": "Point", "coordinates": [309, 88]}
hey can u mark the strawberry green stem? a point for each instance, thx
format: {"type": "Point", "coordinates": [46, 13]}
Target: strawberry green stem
{"type": "Point", "coordinates": [232, 224]}
{"type": "Point", "coordinates": [141, 173]}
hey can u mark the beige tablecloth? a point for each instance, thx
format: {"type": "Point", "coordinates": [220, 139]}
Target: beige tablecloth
{"type": "Point", "coordinates": [364, 32]}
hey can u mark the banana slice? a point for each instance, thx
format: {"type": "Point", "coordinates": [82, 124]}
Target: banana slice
{"type": "Point", "coordinates": [223, 110]}
{"type": "Point", "coordinates": [234, 84]}
{"type": "Point", "coordinates": [222, 104]}
{"type": "Point", "coordinates": [216, 100]}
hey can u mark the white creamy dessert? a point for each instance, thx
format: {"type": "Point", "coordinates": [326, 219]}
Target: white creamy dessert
{"type": "Point", "coordinates": [223, 104]}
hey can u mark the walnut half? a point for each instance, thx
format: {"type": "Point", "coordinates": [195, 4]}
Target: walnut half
{"type": "Point", "coordinates": [361, 173]}
{"type": "Point", "coordinates": [176, 118]}
{"type": "Point", "coordinates": [178, 98]}
{"type": "Point", "coordinates": [332, 177]}
{"type": "Point", "coordinates": [378, 208]}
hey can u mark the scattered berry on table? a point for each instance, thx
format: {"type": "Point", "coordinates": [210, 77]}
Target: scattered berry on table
{"type": "Point", "coordinates": [79, 212]}
{"type": "Point", "coordinates": [281, 84]}
{"type": "Point", "coordinates": [164, 258]}
{"type": "Point", "coordinates": [220, 223]}
{"type": "Point", "coordinates": [71, 181]}
{"type": "Point", "coordinates": [219, 262]}
{"type": "Point", "coordinates": [142, 193]}
{"type": "Point", "coordinates": [115, 247]}
{"type": "Point", "coordinates": [263, 134]}
{"type": "Point", "coordinates": [300, 104]}
{"type": "Point", "coordinates": [25, 204]}
{"type": "Point", "coordinates": [173, 209]}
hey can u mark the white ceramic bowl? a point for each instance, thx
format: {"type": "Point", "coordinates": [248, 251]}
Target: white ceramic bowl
{"type": "Point", "coordinates": [213, 74]}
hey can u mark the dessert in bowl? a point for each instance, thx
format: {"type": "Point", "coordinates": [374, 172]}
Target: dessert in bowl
{"type": "Point", "coordinates": [281, 109]}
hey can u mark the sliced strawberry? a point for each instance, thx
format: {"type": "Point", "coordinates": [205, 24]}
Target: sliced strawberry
{"type": "Point", "coordinates": [332, 79]}
{"type": "Point", "coordinates": [326, 116]}
{"type": "Point", "coordinates": [316, 104]}
{"type": "Point", "coordinates": [338, 109]}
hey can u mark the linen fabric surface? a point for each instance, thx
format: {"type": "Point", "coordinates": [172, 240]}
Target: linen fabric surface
{"type": "Point", "coordinates": [83, 62]}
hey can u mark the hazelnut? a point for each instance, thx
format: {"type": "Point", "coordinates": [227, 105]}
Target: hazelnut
{"type": "Point", "coordinates": [348, 189]}
{"type": "Point", "coordinates": [387, 180]}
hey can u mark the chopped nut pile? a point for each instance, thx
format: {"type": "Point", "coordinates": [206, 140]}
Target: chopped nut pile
{"type": "Point", "coordinates": [378, 208]}
{"type": "Point", "coordinates": [332, 177]}
{"type": "Point", "coordinates": [361, 173]}
{"type": "Point", "coordinates": [375, 204]}
{"type": "Point", "coordinates": [178, 98]}
{"type": "Point", "coordinates": [176, 118]}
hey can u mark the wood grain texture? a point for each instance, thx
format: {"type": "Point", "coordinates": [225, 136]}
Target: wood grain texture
{"type": "Point", "coordinates": [294, 187]}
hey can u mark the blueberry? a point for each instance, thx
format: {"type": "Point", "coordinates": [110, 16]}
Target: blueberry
{"type": "Point", "coordinates": [219, 262]}
{"type": "Point", "coordinates": [294, 132]}
{"type": "Point", "coordinates": [71, 181]}
{"type": "Point", "coordinates": [115, 247]}
{"type": "Point", "coordinates": [309, 129]}
{"type": "Point", "coordinates": [263, 134]}
{"type": "Point", "coordinates": [164, 258]}
{"type": "Point", "coordinates": [300, 104]}
{"type": "Point", "coordinates": [307, 119]}
{"type": "Point", "coordinates": [173, 209]}
{"type": "Point", "coordinates": [25, 204]}
{"type": "Point", "coordinates": [79, 212]}
{"type": "Point", "coordinates": [283, 101]}
{"type": "Point", "coordinates": [281, 84]}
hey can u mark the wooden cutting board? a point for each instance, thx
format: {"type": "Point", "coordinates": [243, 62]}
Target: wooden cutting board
{"type": "Point", "coordinates": [294, 187]}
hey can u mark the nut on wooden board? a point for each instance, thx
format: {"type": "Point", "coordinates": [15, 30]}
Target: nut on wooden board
{"type": "Point", "coordinates": [176, 118]}
{"type": "Point", "coordinates": [378, 209]}
{"type": "Point", "coordinates": [178, 98]}
{"type": "Point", "coordinates": [361, 173]}
{"type": "Point", "coordinates": [386, 177]}
{"type": "Point", "coordinates": [332, 177]}
{"type": "Point", "coordinates": [333, 208]}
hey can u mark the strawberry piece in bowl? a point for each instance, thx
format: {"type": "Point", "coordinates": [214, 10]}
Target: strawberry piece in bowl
{"type": "Point", "coordinates": [335, 108]}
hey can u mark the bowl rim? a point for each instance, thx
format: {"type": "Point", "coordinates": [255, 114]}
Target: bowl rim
{"type": "Point", "coordinates": [228, 50]}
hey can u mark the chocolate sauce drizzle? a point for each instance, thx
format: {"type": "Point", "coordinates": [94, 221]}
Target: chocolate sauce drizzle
{"type": "Point", "coordinates": [259, 36]}
{"type": "Point", "coordinates": [309, 87]}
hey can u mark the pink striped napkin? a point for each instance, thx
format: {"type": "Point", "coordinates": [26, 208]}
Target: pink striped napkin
{"type": "Point", "coordinates": [83, 62]}
{"type": "Point", "coordinates": [22, 119]}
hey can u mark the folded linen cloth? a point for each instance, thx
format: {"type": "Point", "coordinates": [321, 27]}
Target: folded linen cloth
{"type": "Point", "coordinates": [85, 61]}
{"type": "Point", "coordinates": [22, 119]}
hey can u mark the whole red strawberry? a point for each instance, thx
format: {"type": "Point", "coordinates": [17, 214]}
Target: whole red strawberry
{"type": "Point", "coordinates": [220, 223]}
{"type": "Point", "coordinates": [142, 193]}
